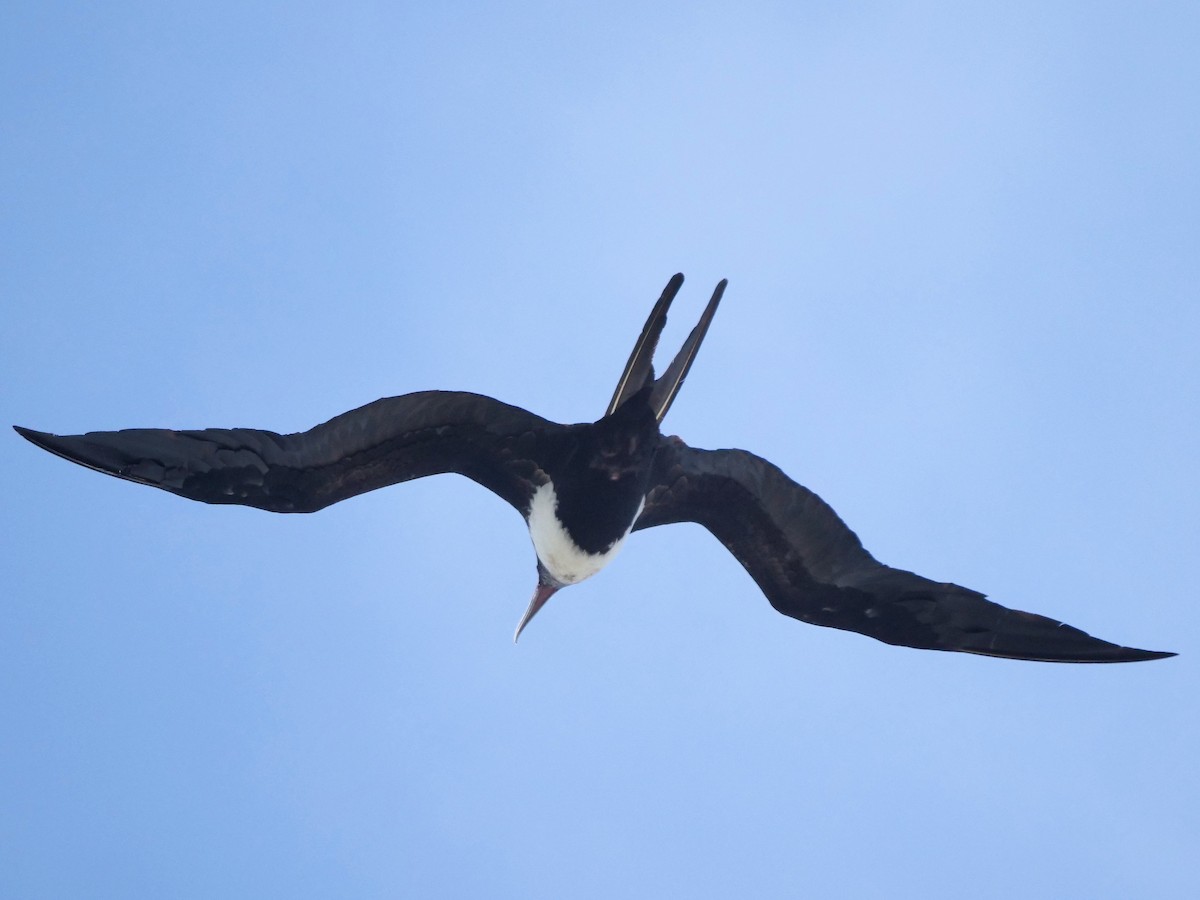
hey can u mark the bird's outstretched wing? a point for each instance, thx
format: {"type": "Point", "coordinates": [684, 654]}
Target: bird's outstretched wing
{"type": "Point", "coordinates": [391, 440]}
{"type": "Point", "coordinates": [815, 569]}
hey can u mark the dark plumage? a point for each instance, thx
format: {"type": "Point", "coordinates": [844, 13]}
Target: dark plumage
{"type": "Point", "coordinates": [583, 488]}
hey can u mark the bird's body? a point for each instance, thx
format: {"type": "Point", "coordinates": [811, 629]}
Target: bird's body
{"type": "Point", "coordinates": [556, 546]}
{"type": "Point", "coordinates": [582, 489]}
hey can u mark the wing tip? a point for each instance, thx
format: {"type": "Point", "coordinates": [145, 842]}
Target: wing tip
{"type": "Point", "coordinates": [1110, 653]}
{"type": "Point", "coordinates": [1132, 654]}
{"type": "Point", "coordinates": [43, 439]}
{"type": "Point", "coordinates": [79, 449]}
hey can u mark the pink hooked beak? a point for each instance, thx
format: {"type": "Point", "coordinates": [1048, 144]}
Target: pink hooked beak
{"type": "Point", "coordinates": [543, 592]}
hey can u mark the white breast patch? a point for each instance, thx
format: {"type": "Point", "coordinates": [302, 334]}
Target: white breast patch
{"type": "Point", "coordinates": [561, 556]}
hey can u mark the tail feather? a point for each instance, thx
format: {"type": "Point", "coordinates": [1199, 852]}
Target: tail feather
{"type": "Point", "coordinates": [666, 387]}
{"type": "Point", "coordinates": [639, 370]}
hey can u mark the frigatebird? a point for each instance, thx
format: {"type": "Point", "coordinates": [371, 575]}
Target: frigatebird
{"type": "Point", "coordinates": [582, 489]}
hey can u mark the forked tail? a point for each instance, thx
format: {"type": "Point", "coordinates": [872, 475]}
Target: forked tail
{"type": "Point", "coordinates": [639, 370]}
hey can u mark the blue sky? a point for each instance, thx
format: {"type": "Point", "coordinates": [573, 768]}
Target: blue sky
{"type": "Point", "coordinates": [962, 249]}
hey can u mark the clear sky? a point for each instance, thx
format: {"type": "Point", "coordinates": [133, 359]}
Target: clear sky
{"type": "Point", "coordinates": [962, 243]}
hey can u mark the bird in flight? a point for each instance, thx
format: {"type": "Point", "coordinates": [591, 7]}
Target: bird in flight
{"type": "Point", "coordinates": [582, 489]}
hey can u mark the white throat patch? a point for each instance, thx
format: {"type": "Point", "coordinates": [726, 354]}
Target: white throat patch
{"type": "Point", "coordinates": [566, 562]}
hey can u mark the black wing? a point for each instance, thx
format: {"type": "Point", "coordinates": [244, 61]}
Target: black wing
{"type": "Point", "coordinates": [813, 568]}
{"type": "Point", "coordinates": [391, 440]}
